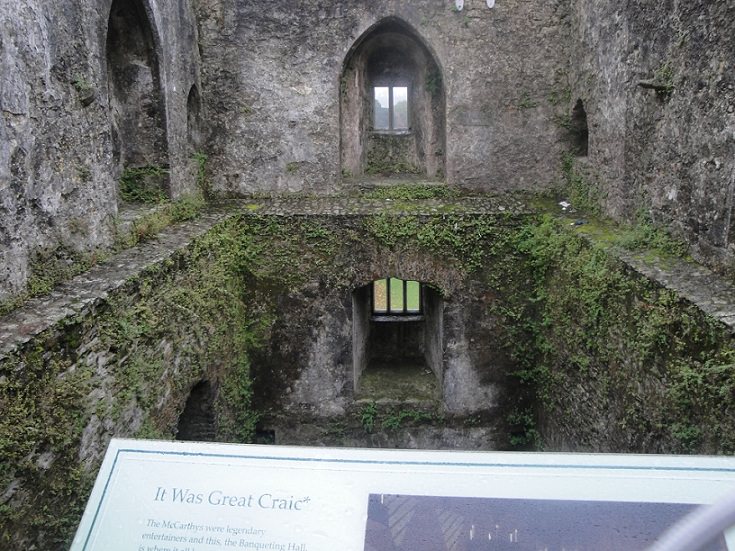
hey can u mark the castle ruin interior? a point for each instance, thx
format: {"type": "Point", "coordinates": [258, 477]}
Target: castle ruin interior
{"type": "Point", "coordinates": [362, 223]}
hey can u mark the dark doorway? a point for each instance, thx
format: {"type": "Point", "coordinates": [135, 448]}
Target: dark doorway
{"type": "Point", "coordinates": [197, 421]}
{"type": "Point", "coordinates": [579, 130]}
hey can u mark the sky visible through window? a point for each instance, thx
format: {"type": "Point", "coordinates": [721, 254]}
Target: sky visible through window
{"type": "Point", "coordinates": [389, 99]}
{"type": "Point", "coordinates": [398, 290]}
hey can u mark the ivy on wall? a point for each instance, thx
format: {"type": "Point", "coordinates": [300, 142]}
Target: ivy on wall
{"type": "Point", "coordinates": [605, 359]}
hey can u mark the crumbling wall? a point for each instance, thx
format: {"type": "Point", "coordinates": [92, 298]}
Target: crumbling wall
{"type": "Point", "coordinates": [616, 362]}
{"type": "Point", "coordinates": [258, 306]}
{"type": "Point", "coordinates": [117, 358]}
{"type": "Point", "coordinates": [657, 82]}
{"type": "Point", "coordinates": [545, 339]}
{"type": "Point", "coordinates": [58, 185]}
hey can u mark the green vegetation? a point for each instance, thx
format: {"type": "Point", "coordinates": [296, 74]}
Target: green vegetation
{"type": "Point", "coordinates": [523, 433]}
{"type": "Point", "coordinates": [561, 97]}
{"type": "Point", "coordinates": [396, 418]}
{"type": "Point", "coordinates": [590, 338]}
{"type": "Point", "coordinates": [578, 190]}
{"type": "Point", "coordinates": [466, 240]}
{"type": "Point", "coordinates": [166, 213]}
{"type": "Point", "coordinates": [144, 184]}
{"type": "Point", "coordinates": [84, 89]}
{"type": "Point", "coordinates": [81, 84]}
{"type": "Point", "coordinates": [202, 180]}
{"type": "Point", "coordinates": [411, 192]}
{"type": "Point", "coordinates": [388, 166]}
{"type": "Point", "coordinates": [43, 416]}
{"type": "Point", "coordinates": [433, 82]}
{"type": "Point", "coordinates": [389, 155]}
{"type": "Point", "coordinates": [367, 416]}
{"type": "Point", "coordinates": [526, 102]}
{"type": "Point", "coordinates": [641, 235]}
{"type": "Point", "coordinates": [663, 80]}
{"type": "Point", "coordinates": [392, 418]}
{"type": "Point", "coordinates": [84, 173]}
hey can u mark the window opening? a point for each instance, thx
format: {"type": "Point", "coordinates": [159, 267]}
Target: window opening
{"type": "Point", "coordinates": [580, 131]}
{"type": "Point", "coordinates": [396, 297]}
{"type": "Point", "coordinates": [390, 108]}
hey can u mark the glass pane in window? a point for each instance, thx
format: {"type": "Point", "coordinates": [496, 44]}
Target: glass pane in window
{"type": "Point", "coordinates": [413, 296]}
{"type": "Point", "coordinates": [381, 120]}
{"type": "Point", "coordinates": [396, 295]}
{"type": "Point", "coordinates": [380, 296]}
{"type": "Point", "coordinates": [400, 108]}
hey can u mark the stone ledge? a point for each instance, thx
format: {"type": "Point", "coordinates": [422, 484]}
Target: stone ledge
{"type": "Point", "coordinates": [83, 292]}
{"type": "Point", "coordinates": [697, 284]}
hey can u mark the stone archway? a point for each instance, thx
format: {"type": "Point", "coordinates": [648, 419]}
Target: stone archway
{"type": "Point", "coordinates": [197, 421]}
{"type": "Point", "coordinates": [137, 109]}
{"type": "Point", "coordinates": [392, 105]}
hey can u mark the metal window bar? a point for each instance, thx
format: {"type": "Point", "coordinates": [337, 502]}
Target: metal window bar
{"type": "Point", "coordinates": [390, 121]}
{"type": "Point", "coordinates": [390, 306]}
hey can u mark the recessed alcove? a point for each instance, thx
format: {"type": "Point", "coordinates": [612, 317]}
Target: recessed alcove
{"type": "Point", "coordinates": [194, 118]}
{"type": "Point", "coordinates": [397, 341]}
{"type": "Point", "coordinates": [579, 130]}
{"type": "Point", "coordinates": [137, 111]}
{"type": "Point", "coordinates": [197, 421]}
{"type": "Point", "coordinates": [392, 105]}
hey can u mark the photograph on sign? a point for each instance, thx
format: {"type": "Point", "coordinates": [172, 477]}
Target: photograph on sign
{"type": "Point", "coordinates": [408, 523]}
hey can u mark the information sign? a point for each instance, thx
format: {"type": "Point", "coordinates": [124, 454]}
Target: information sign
{"type": "Point", "coordinates": [171, 496]}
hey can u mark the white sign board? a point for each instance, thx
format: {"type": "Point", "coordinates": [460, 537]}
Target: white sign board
{"type": "Point", "coordinates": [172, 496]}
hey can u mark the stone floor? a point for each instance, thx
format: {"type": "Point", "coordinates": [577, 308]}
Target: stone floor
{"type": "Point", "coordinates": [406, 382]}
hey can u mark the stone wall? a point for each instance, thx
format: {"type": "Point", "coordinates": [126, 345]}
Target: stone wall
{"type": "Point", "coordinates": [657, 82]}
{"type": "Point", "coordinates": [118, 350]}
{"type": "Point", "coordinates": [115, 353]}
{"type": "Point", "coordinates": [618, 362]}
{"type": "Point", "coordinates": [272, 88]}
{"type": "Point", "coordinates": [542, 339]}
{"type": "Point", "coordinates": [58, 182]}
{"type": "Point", "coordinates": [306, 367]}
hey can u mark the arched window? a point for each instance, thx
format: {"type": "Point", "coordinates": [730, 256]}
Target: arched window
{"type": "Point", "coordinates": [392, 105]}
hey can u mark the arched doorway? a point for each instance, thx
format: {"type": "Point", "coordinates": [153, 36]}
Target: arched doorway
{"type": "Point", "coordinates": [197, 421]}
{"type": "Point", "coordinates": [137, 110]}
{"type": "Point", "coordinates": [392, 105]}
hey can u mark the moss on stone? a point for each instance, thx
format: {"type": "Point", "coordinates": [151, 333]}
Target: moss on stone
{"type": "Point", "coordinates": [597, 341]}
{"type": "Point", "coordinates": [604, 357]}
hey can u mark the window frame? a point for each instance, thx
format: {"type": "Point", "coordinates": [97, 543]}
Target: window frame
{"type": "Point", "coordinates": [391, 109]}
{"type": "Point", "coordinates": [404, 312]}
